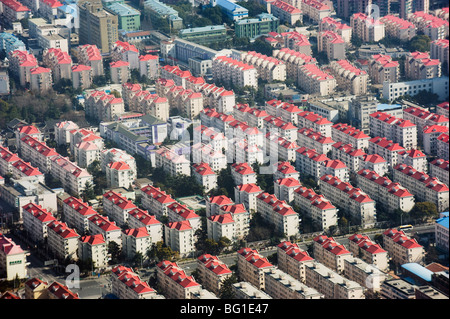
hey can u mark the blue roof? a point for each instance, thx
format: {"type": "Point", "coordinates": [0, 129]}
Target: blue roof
{"type": "Point", "coordinates": [230, 6]}
{"type": "Point", "coordinates": [443, 221]}
{"type": "Point", "coordinates": [381, 107]}
{"type": "Point", "coordinates": [418, 270]}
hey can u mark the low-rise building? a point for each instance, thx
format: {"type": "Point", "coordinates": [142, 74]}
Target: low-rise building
{"type": "Point", "coordinates": [370, 252]}
{"type": "Point", "coordinates": [330, 253]}
{"type": "Point", "coordinates": [212, 272]}
{"type": "Point", "coordinates": [252, 266]}
{"type": "Point", "coordinates": [62, 240]}
{"type": "Point", "coordinates": [401, 248]}
{"type": "Point", "coordinates": [93, 247]}
{"type": "Point", "coordinates": [173, 281]}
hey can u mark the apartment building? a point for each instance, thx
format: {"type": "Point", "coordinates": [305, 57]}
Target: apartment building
{"type": "Point", "coordinates": [41, 79]}
{"type": "Point", "coordinates": [363, 247]}
{"type": "Point", "coordinates": [439, 49]}
{"type": "Point", "coordinates": [318, 208]}
{"type": "Point", "coordinates": [143, 101]}
{"type": "Point", "coordinates": [424, 187]}
{"type": "Point", "coordinates": [422, 118]}
{"type": "Point", "coordinates": [136, 241]}
{"type": "Point", "coordinates": [367, 28]}
{"type": "Point", "coordinates": [120, 174]}
{"type": "Point", "coordinates": [430, 134]}
{"type": "Point", "coordinates": [234, 72]}
{"type": "Point", "coordinates": [10, 163]}
{"type": "Point", "coordinates": [149, 66]}
{"type": "Point", "coordinates": [205, 176]}
{"type": "Point", "coordinates": [97, 26]}
{"type": "Point", "coordinates": [215, 139]}
{"type": "Point", "coordinates": [177, 212]}
{"type": "Point", "coordinates": [93, 247]}
{"type": "Point", "coordinates": [220, 226]}
{"type": "Point", "coordinates": [72, 177]}
{"type": "Point", "coordinates": [20, 64]}
{"type": "Point", "coordinates": [387, 149]}
{"type": "Point", "coordinates": [156, 201]}
{"type": "Point", "coordinates": [352, 157]}
{"type": "Point", "coordinates": [99, 224]}
{"type": "Point", "coordinates": [286, 111]}
{"type": "Point", "coordinates": [401, 248]}
{"type": "Point", "coordinates": [398, 28]}
{"type": "Point", "coordinates": [13, 10]}
{"type": "Point", "coordinates": [442, 146]}
{"type": "Point", "coordinates": [419, 66]}
{"type": "Point", "coordinates": [205, 153]}
{"type": "Point", "coordinates": [439, 169]}
{"type": "Point", "coordinates": [400, 131]}
{"type": "Point", "coordinates": [278, 213]}
{"type": "Point", "coordinates": [292, 260]}
{"type": "Point", "coordinates": [315, 81]}
{"type": "Point", "coordinates": [348, 76]}
{"type": "Point", "coordinates": [315, 10]}
{"type": "Point", "coordinates": [245, 290]}
{"type": "Point", "coordinates": [269, 68]}
{"type": "Point", "coordinates": [120, 72]}
{"type": "Point", "coordinates": [262, 24]}
{"type": "Point", "coordinates": [330, 253]}
{"type": "Point", "coordinates": [82, 76]}
{"type": "Point", "coordinates": [246, 194]}
{"type": "Point", "coordinates": [356, 203]}
{"type": "Point", "coordinates": [389, 196]}
{"type": "Point", "coordinates": [103, 106]}
{"type": "Point", "coordinates": [180, 237]}
{"type": "Point", "coordinates": [416, 159]}
{"type": "Point", "coordinates": [331, 284]}
{"type": "Point", "coordinates": [59, 62]}
{"type": "Point", "coordinates": [62, 240]}
{"type": "Point", "coordinates": [276, 126]}
{"type": "Point", "coordinates": [116, 206]}
{"type": "Point", "coordinates": [36, 289]}
{"type": "Point", "coordinates": [77, 213]}
{"type": "Point", "coordinates": [286, 12]}
{"type": "Point", "coordinates": [173, 281]}
{"type": "Point", "coordinates": [60, 291]}
{"type": "Point", "coordinates": [13, 259]}
{"type": "Point", "coordinates": [332, 44]}
{"type": "Point", "coordinates": [90, 55]}
{"type": "Point", "coordinates": [292, 59]}
{"type": "Point", "coordinates": [309, 162]}
{"type": "Point", "coordinates": [330, 24]}
{"type": "Point", "coordinates": [125, 284]}
{"type": "Point", "coordinates": [35, 221]}
{"type": "Point", "coordinates": [212, 272]}
{"type": "Point", "coordinates": [138, 218]}
{"type": "Point", "coordinates": [252, 266]}
{"type": "Point", "coordinates": [172, 163]}
{"type": "Point", "coordinates": [124, 51]}
{"type": "Point", "coordinates": [382, 68]}
{"type": "Point", "coordinates": [433, 27]}
{"type": "Point", "coordinates": [364, 274]}
{"type": "Point", "coordinates": [284, 188]}
{"type": "Point", "coordinates": [315, 122]}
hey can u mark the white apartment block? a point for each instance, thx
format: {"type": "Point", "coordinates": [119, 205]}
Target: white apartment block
{"type": "Point", "coordinates": [367, 28]}
{"type": "Point", "coordinates": [316, 10]}
{"type": "Point", "coordinates": [364, 274]}
{"type": "Point", "coordinates": [155, 200]}
{"type": "Point", "coordinates": [41, 79]}
{"type": "Point", "coordinates": [243, 173]}
{"type": "Point", "coordinates": [275, 125]}
{"type": "Point", "coordinates": [400, 131]}
{"type": "Point", "coordinates": [442, 146]}
{"type": "Point", "coordinates": [213, 204]}
{"type": "Point", "coordinates": [424, 187]}
{"type": "Point", "coordinates": [77, 213]}
{"type": "Point", "coordinates": [387, 149]}
{"type": "Point", "coordinates": [363, 247]}
{"type": "Point", "coordinates": [292, 59]}
{"type": "Point", "coordinates": [212, 136]}
{"type": "Point", "coordinates": [125, 284]}
{"type": "Point", "coordinates": [140, 218]}
{"type": "Point", "coordinates": [286, 111]}
{"type": "Point", "coordinates": [180, 237]}
{"type": "Point", "coordinates": [389, 196]}
{"type": "Point", "coordinates": [286, 12]}
{"type": "Point", "coordinates": [20, 65]}
{"type": "Point", "coordinates": [331, 284]}
{"type": "Point", "coordinates": [246, 194]}
{"type": "Point", "coordinates": [439, 49]}
{"type": "Point", "coordinates": [439, 169]}
{"type": "Point", "coordinates": [35, 221]}
{"type": "Point", "coordinates": [172, 163]}
{"type": "Point", "coordinates": [433, 27]}
{"type": "Point", "coordinates": [252, 266]}
{"type": "Point", "coordinates": [284, 169]}
{"type": "Point", "coordinates": [292, 260]}
{"type": "Point", "coordinates": [332, 44]}
{"type": "Point", "coordinates": [430, 135]}
{"type": "Point", "coordinates": [140, 100]}
{"type": "Point", "coordinates": [234, 72]}
{"type": "Point", "coordinates": [38, 153]}
{"type": "Point", "coordinates": [205, 153]}
{"type": "Point", "coordinates": [245, 290]}
{"type": "Point", "coordinates": [278, 213]}
{"type": "Point", "coordinates": [99, 224]}
{"type": "Point", "coordinates": [62, 130]}
{"type": "Point", "coordinates": [116, 206]}
{"type": "Point", "coordinates": [89, 54]}
{"type": "Point", "coordinates": [310, 162]}
{"type": "Point", "coordinates": [173, 281]}
{"type": "Point", "coordinates": [315, 122]}
{"type": "Point", "coordinates": [149, 66]}
{"type": "Point", "coordinates": [401, 248]}
{"type": "Point", "coordinates": [120, 174]}
{"type": "Point", "coordinates": [136, 241]}
{"type": "Point", "coordinates": [219, 226]}
{"type": "Point", "coordinates": [352, 157]}
{"type": "Point", "coordinates": [398, 28]}
{"type": "Point", "coordinates": [422, 118]}
{"type": "Point", "coordinates": [72, 177]}
{"type": "Point", "coordinates": [205, 176]}
{"type": "Point", "coordinates": [330, 253]}
{"type": "Point", "coordinates": [382, 68]}
{"type": "Point", "coordinates": [112, 155]}
{"type": "Point", "coordinates": [177, 212]}
{"type": "Point", "coordinates": [280, 285]}
{"type": "Point", "coordinates": [82, 76]}
{"type": "Point", "coordinates": [120, 72]}
{"type": "Point", "coordinates": [212, 272]}
{"type": "Point", "coordinates": [375, 163]}
{"type": "Point", "coordinates": [342, 29]}
{"type": "Point", "coordinates": [103, 106]}
{"type": "Point", "coordinates": [93, 247]}
{"type": "Point", "coordinates": [269, 68]}
{"type": "Point", "coordinates": [318, 208]}
{"type": "Point", "coordinates": [62, 240]}
{"type": "Point", "coordinates": [357, 204]}
{"type": "Point", "coordinates": [419, 66]}
{"type": "Point", "coordinates": [13, 259]}
{"type": "Point", "coordinates": [441, 232]}
{"type": "Point", "coordinates": [284, 188]}
{"type": "Point", "coordinates": [416, 159]}
{"type": "Point", "coordinates": [59, 62]}
{"type": "Point", "coordinates": [349, 76]}
{"type": "Point", "coordinates": [123, 51]}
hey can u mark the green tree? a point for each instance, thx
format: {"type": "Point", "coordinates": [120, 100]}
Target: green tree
{"type": "Point", "coordinates": [88, 192]}
{"type": "Point", "coordinates": [420, 43]}
{"type": "Point", "coordinates": [226, 291]}
{"type": "Point", "coordinates": [424, 211]}
{"type": "Point", "coordinates": [115, 252]}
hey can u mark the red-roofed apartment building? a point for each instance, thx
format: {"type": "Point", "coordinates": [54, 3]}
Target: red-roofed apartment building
{"type": "Point", "coordinates": [332, 44]}
{"type": "Point", "coordinates": [180, 237]}
{"type": "Point", "coordinates": [398, 28]}
{"type": "Point", "coordinates": [251, 267]}
{"type": "Point", "coordinates": [419, 66]}
{"type": "Point", "coordinates": [59, 62]}
{"type": "Point", "coordinates": [62, 240]}
{"type": "Point", "coordinates": [123, 51]}
{"type": "Point", "coordinates": [173, 281]}
{"type": "Point", "coordinates": [363, 247]}
{"type": "Point", "coordinates": [286, 12]}
{"type": "Point", "coordinates": [400, 131]}
{"type": "Point", "coordinates": [383, 68]}
{"type": "Point", "coordinates": [330, 253]}
{"type": "Point", "coordinates": [125, 284]}
{"type": "Point", "coordinates": [401, 248]}
{"type": "Point", "coordinates": [357, 204]}
{"type": "Point", "coordinates": [13, 260]}
{"type": "Point", "coordinates": [93, 247]}
{"type": "Point", "coordinates": [292, 260]}
{"type": "Point", "coordinates": [89, 54]}
{"type": "Point", "coordinates": [212, 272]}
{"type": "Point", "coordinates": [234, 72]}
